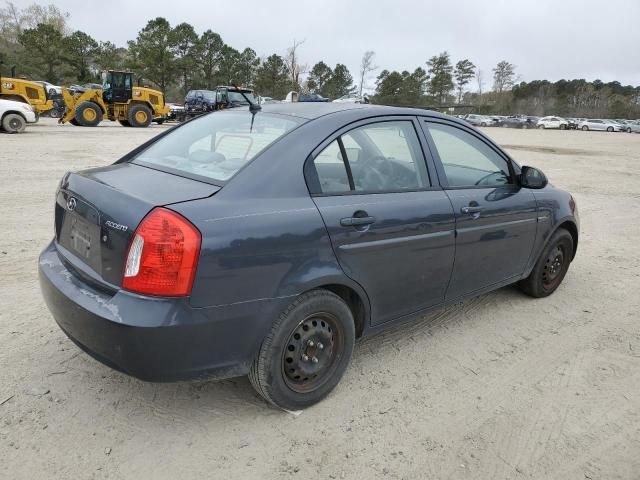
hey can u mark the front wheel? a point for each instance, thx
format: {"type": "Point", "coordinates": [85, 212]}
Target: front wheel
{"type": "Point", "coordinates": [585, 128]}
{"type": "Point", "coordinates": [306, 352]}
{"type": "Point", "coordinates": [609, 129]}
{"type": "Point", "coordinates": [628, 129]}
{"type": "Point", "coordinates": [88, 114]}
{"type": "Point", "coordinates": [14, 123]}
{"type": "Point", "coordinates": [551, 267]}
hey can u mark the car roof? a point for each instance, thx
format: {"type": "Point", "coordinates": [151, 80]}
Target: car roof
{"type": "Point", "coordinates": [311, 111]}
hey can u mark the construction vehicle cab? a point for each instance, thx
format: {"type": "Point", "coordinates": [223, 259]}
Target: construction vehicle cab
{"type": "Point", "coordinates": [117, 100]}
{"type": "Point", "coordinates": [26, 91]}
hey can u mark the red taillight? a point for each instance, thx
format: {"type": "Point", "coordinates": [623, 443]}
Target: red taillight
{"type": "Point", "coordinates": [163, 255]}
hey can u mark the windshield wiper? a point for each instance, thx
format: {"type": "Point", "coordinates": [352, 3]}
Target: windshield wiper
{"type": "Point", "coordinates": [253, 107]}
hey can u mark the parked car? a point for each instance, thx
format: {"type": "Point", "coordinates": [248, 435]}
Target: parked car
{"type": "Point", "coordinates": [199, 101]}
{"type": "Point", "coordinates": [51, 89]}
{"type": "Point", "coordinates": [553, 123]}
{"type": "Point", "coordinates": [572, 123]}
{"type": "Point", "coordinates": [176, 112]}
{"type": "Point", "coordinates": [477, 120]}
{"type": "Point", "coordinates": [352, 98]}
{"type": "Point", "coordinates": [599, 124]}
{"type": "Point", "coordinates": [15, 115]}
{"type": "Point", "coordinates": [265, 243]}
{"type": "Point", "coordinates": [632, 127]}
{"type": "Point", "coordinates": [513, 122]}
{"type": "Point", "coordinates": [312, 97]}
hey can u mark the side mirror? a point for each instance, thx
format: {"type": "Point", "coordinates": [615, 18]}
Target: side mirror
{"type": "Point", "coordinates": [532, 178]}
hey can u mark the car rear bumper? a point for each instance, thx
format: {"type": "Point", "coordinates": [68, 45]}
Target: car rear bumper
{"type": "Point", "coordinates": [155, 339]}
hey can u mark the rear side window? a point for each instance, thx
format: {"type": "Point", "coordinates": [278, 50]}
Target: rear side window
{"type": "Point", "coordinates": [216, 146]}
{"type": "Point", "coordinates": [467, 160]}
{"type": "Point", "coordinates": [375, 158]}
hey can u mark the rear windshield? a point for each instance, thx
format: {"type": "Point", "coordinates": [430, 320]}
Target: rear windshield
{"type": "Point", "coordinates": [217, 145]}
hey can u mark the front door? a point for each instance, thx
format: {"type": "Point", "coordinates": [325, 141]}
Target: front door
{"type": "Point", "coordinates": [496, 219]}
{"type": "Point", "coordinates": [391, 231]}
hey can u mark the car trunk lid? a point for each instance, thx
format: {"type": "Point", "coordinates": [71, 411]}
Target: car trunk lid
{"type": "Point", "coordinates": [97, 212]}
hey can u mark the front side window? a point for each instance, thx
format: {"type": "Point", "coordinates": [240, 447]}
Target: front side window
{"type": "Point", "coordinates": [467, 160]}
{"type": "Point", "coordinates": [380, 157]}
{"type": "Point", "coordinates": [216, 146]}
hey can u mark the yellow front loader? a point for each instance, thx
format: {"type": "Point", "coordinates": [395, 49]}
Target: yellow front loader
{"type": "Point", "coordinates": [118, 100]}
{"type": "Point", "coordinates": [26, 91]}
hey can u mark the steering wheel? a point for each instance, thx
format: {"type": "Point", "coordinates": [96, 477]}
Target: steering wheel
{"type": "Point", "coordinates": [374, 178]}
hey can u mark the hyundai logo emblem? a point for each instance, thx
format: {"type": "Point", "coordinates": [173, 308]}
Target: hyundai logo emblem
{"type": "Point", "coordinates": [71, 204]}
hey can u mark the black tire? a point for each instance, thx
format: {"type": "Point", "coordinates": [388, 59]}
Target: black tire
{"type": "Point", "coordinates": [628, 129]}
{"type": "Point", "coordinates": [14, 123]}
{"type": "Point", "coordinates": [306, 352]}
{"type": "Point", "coordinates": [73, 121]}
{"type": "Point", "coordinates": [609, 129]}
{"type": "Point", "coordinates": [585, 128]}
{"type": "Point", "coordinates": [563, 126]}
{"type": "Point", "coordinates": [551, 267]}
{"type": "Point", "coordinates": [88, 114]}
{"type": "Point", "coordinates": [124, 123]}
{"type": "Point", "coordinates": [140, 116]}
{"type": "Point", "coordinates": [159, 121]}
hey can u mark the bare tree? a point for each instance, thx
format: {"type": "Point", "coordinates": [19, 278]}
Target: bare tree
{"type": "Point", "coordinates": [504, 76]}
{"type": "Point", "coordinates": [294, 68]}
{"type": "Point", "coordinates": [480, 80]}
{"type": "Point", "coordinates": [366, 67]}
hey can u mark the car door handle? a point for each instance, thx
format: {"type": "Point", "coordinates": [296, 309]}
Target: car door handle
{"type": "Point", "coordinates": [357, 221]}
{"type": "Point", "coordinates": [470, 209]}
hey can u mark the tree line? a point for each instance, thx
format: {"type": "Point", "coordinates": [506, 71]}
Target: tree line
{"type": "Point", "coordinates": [40, 42]}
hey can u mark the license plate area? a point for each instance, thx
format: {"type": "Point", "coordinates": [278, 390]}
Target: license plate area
{"type": "Point", "coordinates": [80, 237]}
{"type": "Point", "coordinates": [78, 230]}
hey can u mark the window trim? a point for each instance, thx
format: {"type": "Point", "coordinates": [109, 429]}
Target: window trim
{"type": "Point", "coordinates": [442, 176]}
{"type": "Point", "coordinates": [310, 171]}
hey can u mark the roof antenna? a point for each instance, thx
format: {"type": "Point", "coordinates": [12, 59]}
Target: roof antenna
{"type": "Point", "coordinates": [253, 107]}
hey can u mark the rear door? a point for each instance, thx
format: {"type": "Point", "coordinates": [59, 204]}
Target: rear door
{"type": "Point", "coordinates": [496, 220]}
{"type": "Point", "coordinates": [391, 229]}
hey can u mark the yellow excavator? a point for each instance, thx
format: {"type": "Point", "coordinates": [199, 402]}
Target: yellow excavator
{"type": "Point", "coordinates": [26, 91]}
{"type": "Point", "coordinates": [117, 100]}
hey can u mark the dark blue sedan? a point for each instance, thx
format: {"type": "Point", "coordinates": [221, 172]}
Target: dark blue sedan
{"type": "Point", "coordinates": [266, 243]}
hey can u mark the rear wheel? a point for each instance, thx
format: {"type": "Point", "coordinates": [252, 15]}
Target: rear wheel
{"type": "Point", "coordinates": [609, 129]}
{"type": "Point", "coordinates": [628, 129]}
{"type": "Point", "coordinates": [551, 267]}
{"type": "Point", "coordinates": [124, 123]}
{"type": "Point", "coordinates": [88, 114]}
{"type": "Point", "coordinates": [306, 352]}
{"type": "Point", "coordinates": [563, 126]}
{"type": "Point", "coordinates": [541, 126]}
{"type": "Point", "coordinates": [14, 123]}
{"type": "Point", "coordinates": [585, 128]}
{"type": "Point", "coordinates": [140, 116]}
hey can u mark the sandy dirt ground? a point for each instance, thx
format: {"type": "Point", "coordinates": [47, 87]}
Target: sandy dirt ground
{"type": "Point", "coordinates": [499, 387]}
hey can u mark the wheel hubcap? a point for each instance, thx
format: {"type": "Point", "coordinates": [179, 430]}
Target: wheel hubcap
{"type": "Point", "coordinates": [311, 351]}
{"type": "Point", "coordinates": [89, 115]}
{"type": "Point", "coordinates": [553, 267]}
{"type": "Point", "coordinates": [141, 117]}
{"type": "Point", "coordinates": [14, 124]}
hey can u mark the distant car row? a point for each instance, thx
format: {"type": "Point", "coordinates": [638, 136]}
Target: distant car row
{"type": "Point", "coordinates": [553, 122]}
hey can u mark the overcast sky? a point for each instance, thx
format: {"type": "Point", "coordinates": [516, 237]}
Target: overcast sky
{"type": "Point", "coordinates": [545, 39]}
